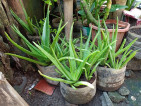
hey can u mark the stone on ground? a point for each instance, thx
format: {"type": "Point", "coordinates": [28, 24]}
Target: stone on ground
{"type": "Point", "coordinates": [116, 97]}
{"type": "Point", "coordinates": [106, 101]}
{"type": "Point", "coordinates": [124, 91]}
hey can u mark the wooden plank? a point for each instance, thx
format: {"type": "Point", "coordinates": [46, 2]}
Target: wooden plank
{"type": "Point", "coordinates": [68, 16]}
{"type": "Point", "coordinates": [8, 96]}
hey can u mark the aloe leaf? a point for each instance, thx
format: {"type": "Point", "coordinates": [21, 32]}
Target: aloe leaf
{"type": "Point", "coordinates": [46, 31]}
{"type": "Point", "coordinates": [87, 45]}
{"type": "Point", "coordinates": [83, 83]}
{"type": "Point", "coordinates": [21, 48]}
{"type": "Point", "coordinates": [71, 58]}
{"type": "Point", "coordinates": [128, 59]}
{"type": "Point", "coordinates": [72, 62]}
{"type": "Point", "coordinates": [55, 62]}
{"type": "Point", "coordinates": [32, 48]}
{"type": "Point", "coordinates": [81, 46]}
{"type": "Point", "coordinates": [22, 23]}
{"type": "Point", "coordinates": [94, 69]}
{"type": "Point", "coordinates": [57, 34]}
{"type": "Point", "coordinates": [123, 58]}
{"type": "Point", "coordinates": [124, 49]}
{"type": "Point", "coordinates": [27, 59]}
{"type": "Point", "coordinates": [56, 79]}
{"type": "Point", "coordinates": [25, 13]}
{"type": "Point", "coordinates": [122, 45]}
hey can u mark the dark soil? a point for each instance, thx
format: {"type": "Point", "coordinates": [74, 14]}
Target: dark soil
{"type": "Point", "coordinates": [110, 26]}
{"type": "Point", "coordinates": [136, 31]}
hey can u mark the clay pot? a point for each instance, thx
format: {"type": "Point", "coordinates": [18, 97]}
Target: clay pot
{"type": "Point", "coordinates": [121, 32]}
{"type": "Point", "coordinates": [109, 79]}
{"type": "Point", "coordinates": [79, 95]}
{"type": "Point", "coordinates": [49, 71]}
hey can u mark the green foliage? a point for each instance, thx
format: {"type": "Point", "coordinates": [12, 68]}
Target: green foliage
{"type": "Point", "coordinates": [113, 59]}
{"type": "Point", "coordinates": [60, 49]}
{"type": "Point", "coordinates": [129, 3]}
{"type": "Point", "coordinates": [49, 2]}
{"type": "Point", "coordinates": [116, 7]}
{"type": "Point", "coordinates": [82, 59]}
{"type": "Point", "coordinates": [28, 25]}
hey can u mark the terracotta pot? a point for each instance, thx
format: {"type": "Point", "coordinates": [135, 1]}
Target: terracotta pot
{"type": "Point", "coordinates": [121, 32]}
{"type": "Point", "coordinates": [49, 71]}
{"type": "Point", "coordinates": [79, 95]}
{"type": "Point", "coordinates": [109, 79]}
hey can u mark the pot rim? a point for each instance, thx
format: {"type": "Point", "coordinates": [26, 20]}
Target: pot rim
{"type": "Point", "coordinates": [78, 89]}
{"type": "Point", "coordinates": [121, 23]}
{"type": "Point", "coordinates": [133, 27]}
{"type": "Point", "coordinates": [112, 69]}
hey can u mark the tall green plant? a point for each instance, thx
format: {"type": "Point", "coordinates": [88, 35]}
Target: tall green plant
{"type": "Point", "coordinates": [45, 43]}
{"type": "Point", "coordinates": [77, 63]}
{"type": "Point", "coordinates": [113, 60]}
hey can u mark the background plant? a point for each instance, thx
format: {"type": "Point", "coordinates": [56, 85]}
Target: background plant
{"type": "Point", "coordinates": [28, 25]}
{"type": "Point", "coordinates": [92, 10]}
{"type": "Point", "coordinates": [60, 49]}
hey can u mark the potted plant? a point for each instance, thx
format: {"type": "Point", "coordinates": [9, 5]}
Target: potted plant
{"type": "Point", "coordinates": [111, 72]}
{"type": "Point", "coordinates": [123, 26]}
{"type": "Point", "coordinates": [61, 49]}
{"type": "Point", "coordinates": [77, 70]}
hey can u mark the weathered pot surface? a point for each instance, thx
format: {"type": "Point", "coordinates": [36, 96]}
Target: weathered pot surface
{"type": "Point", "coordinates": [49, 71]}
{"type": "Point", "coordinates": [79, 95]}
{"type": "Point", "coordinates": [109, 79]}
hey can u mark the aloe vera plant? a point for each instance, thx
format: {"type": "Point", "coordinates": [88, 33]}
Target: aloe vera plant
{"type": "Point", "coordinates": [41, 59]}
{"type": "Point", "coordinates": [112, 60]}
{"type": "Point", "coordinates": [72, 67]}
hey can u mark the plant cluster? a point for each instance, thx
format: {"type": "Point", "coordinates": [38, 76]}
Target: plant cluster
{"type": "Point", "coordinates": [46, 44]}
{"type": "Point", "coordinates": [114, 59]}
{"type": "Point", "coordinates": [73, 61]}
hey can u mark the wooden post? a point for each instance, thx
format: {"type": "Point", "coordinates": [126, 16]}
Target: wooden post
{"type": "Point", "coordinates": [68, 16]}
{"type": "Point", "coordinates": [8, 96]}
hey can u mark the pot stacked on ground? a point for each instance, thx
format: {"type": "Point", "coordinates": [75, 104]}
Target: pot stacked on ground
{"type": "Point", "coordinates": [80, 95]}
{"type": "Point", "coordinates": [109, 79]}
{"type": "Point", "coordinates": [133, 33]}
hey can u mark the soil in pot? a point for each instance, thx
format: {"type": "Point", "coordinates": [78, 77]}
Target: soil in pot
{"type": "Point", "coordinates": [81, 95]}
{"type": "Point", "coordinates": [109, 79]}
{"type": "Point", "coordinates": [110, 26]}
